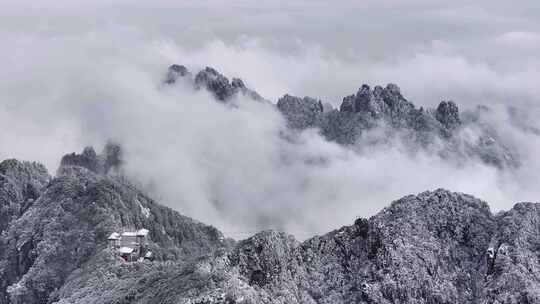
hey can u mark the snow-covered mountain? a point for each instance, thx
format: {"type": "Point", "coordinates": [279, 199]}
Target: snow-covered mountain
{"type": "Point", "coordinates": [51, 227]}
{"type": "Point", "coordinates": [434, 247]}
{"type": "Point", "coordinates": [443, 131]}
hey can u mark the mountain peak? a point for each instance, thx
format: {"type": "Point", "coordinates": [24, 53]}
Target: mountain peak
{"type": "Point", "coordinates": [67, 227]}
{"type": "Point", "coordinates": [212, 81]}
{"type": "Point", "coordinates": [176, 71]}
{"type": "Point", "coordinates": [447, 113]}
{"type": "Point", "coordinates": [449, 239]}
{"type": "Point", "coordinates": [109, 160]}
{"type": "Point", "coordinates": [300, 113]}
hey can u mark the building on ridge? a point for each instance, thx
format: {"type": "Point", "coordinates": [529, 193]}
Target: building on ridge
{"type": "Point", "coordinates": [131, 245]}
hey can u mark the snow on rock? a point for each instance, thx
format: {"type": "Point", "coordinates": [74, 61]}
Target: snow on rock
{"type": "Point", "coordinates": [144, 210]}
{"type": "Point", "coordinates": [69, 224]}
{"type": "Point", "coordinates": [425, 248]}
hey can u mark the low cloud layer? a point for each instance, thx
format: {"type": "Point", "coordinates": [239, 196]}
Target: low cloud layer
{"type": "Point", "coordinates": [78, 75]}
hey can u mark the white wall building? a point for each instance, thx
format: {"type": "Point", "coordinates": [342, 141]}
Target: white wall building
{"type": "Point", "coordinates": [131, 245]}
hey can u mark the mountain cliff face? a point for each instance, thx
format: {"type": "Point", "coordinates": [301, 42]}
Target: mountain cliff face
{"type": "Point", "coordinates": [434, 247]}
{"type": "Point", "coordinates": [514, 257]}
{"type": "Point", "coordinates": [20, 185]}
{"type": "Point", "coordinates": [213, 81]}
{"type": "Point", "coordinates": [439, 130]}
{"type": "Point", "coordinates": [443, 131]}
{"type": "Point", "coordinates": [55, 225]}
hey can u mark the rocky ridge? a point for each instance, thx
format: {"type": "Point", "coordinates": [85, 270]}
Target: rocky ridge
{"type": "Point", "coordinates": [434, 247]}
{"type": "Point", "coordinates": [56, 225]}
{"type": "Point", "coordinates": [213, 81]}
{"type": "Point", "coordinates": [440, 131]}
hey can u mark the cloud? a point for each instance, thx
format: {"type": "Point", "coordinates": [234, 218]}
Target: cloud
{"type": "Point", "coordinates": [528, 40]}
{"type": "Point", "coordinates": [80, 74]}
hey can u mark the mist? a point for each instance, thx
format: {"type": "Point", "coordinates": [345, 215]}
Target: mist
{"type": "Point", "coordinates": [80, 74]}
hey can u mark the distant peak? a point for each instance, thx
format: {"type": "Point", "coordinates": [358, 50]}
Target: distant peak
{"type": "Point", "coordinates": [109, 159]}
{"type": "Point", "coordinates": [212, 81]}
{"type": "Point", "coordinates": [447, 113]}
{"type": "Point", "coordinates": [393, 88]}
{"type": "Point", "coordinates": [300, 113]}
{"type": "Point", "coordinates": [377, 102]}
{"type": "Point", "coordinates": [237, 83]}
{"type": "Point", "coordinates": [174, 72]}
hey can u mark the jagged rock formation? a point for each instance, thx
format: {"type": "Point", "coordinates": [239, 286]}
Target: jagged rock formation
{"type": "Point", "coordinates": [433, 130]}
{"type": "Point", "coordinates": [176, 71]}
{"type": "Point", "coordinates": [69, 220]}
{"type": "Point", "coordinates": [212, 81]}
{"type": "Point", "coordinates": [513, 272]}
{"type": "Point", "coordinates": [21, 184]}
{"type": "Point", "coordinates": [109, 159]}
{"type": "Point", "coordinates": [435, 247]}
{"type": "Point", "coordinates": [438, 131]}
{"type": "Point", "coordinates": [429, 248]}
{"type": "Point", "coordinates": [447, 114]}
{"type": "Point", "coordinates": [301, 113]}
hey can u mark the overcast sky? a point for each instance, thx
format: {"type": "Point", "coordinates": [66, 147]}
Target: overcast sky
{"type": "Point", "coordinates": [76, 73]}
{"type": "Point", "coordinates": [480, 50]}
